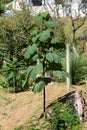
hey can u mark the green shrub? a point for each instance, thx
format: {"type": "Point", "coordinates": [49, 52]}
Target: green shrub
{"type": "Point", "coordinates": [78, 67]}
{"type": "Point", "coordinates": [14, 38]}
{"type": "Point", "coordinates": [64, 118]}
{"type": "Point", "coordinates": [14, 73]}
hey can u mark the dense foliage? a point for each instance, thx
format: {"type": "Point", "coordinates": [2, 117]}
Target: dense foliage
{"type": "Point", "coordinates": [63, 117]}
{"type": "Point", "coordinates": [14, 38]}
{"type": "Point", "coordinates": [43, 49]}
{"type": "Point", "coordinates": [78, 69]}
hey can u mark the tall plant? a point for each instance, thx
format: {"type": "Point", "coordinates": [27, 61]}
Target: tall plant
{"type": "Point", "coordinates": [78, 69]}
{"type": "Point", "coordinates": [14, 74]}
{"type": "Point", "coordinates": [43, 51]}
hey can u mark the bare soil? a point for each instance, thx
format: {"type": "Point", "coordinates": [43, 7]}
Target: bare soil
{"type": "Point", "coordinates": [16, 109]}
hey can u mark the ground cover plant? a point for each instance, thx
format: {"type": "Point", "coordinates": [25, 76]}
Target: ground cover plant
{"type": "Point", "coordinates": [62, 117]}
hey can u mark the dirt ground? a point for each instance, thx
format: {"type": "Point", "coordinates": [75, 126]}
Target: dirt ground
{"type": "Point", "coordinates": [16, 109]}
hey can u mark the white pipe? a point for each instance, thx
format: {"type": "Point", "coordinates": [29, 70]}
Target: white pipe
{"type": "Point", "coordinates": [68, 65]}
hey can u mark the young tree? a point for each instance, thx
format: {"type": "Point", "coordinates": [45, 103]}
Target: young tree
{"type": "Point", "coordinates": [44, 49]}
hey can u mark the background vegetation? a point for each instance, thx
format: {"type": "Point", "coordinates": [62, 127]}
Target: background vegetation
{"type": "Point", "coordinates": [32, 54]}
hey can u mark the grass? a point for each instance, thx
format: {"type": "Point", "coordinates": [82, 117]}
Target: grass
{"type": "Point", "coordinates": [26, 104]}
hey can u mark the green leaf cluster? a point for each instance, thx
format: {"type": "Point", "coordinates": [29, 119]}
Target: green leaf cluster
{"type": "Point", "coordinates": [44, 49]}
{"type": "Point", "coordinates": [14, 74]}
{"type": "Point", "coordinates": [78, 67]}
{"type": "Point", "coordinates": [64, 117]}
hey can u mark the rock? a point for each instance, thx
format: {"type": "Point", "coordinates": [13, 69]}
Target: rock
{"type": "Point", "coordinates": [79, 104]}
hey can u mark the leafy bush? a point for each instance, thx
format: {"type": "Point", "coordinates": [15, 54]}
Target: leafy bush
{"type": "Point", "coordinates": [14, 38]}
{"type": "Point", "coordinates": [63, 117]}
{"type": "Point", "coordinates": [15, 34]}
{"type": "Point", "coordinates": [14, 74]}
{"type": "Point", "coordinates": [78, 67]}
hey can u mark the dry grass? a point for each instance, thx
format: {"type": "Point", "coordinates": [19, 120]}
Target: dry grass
{"type": "Point", "coordinates": [16, 109]}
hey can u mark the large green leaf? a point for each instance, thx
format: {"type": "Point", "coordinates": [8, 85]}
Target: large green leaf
{"type": "Point", "coordinates": [39, 86]}
{"type": "Point", "coordinates": [57, 73]}
{"type": "Point", "coordinates": [30, 51]}
{"type": "Point", "coordinates": [45, 15]}
{"type": "Point", "coordinates": [51, 24]}
{"type": "Point", "coordinates": [44, 35]}
{"type": "Point", "coordinates": [49, 57]}
{"type": "Point", "coordinates": [30, 68]}
{"type": "Point", "coordinates": [56, 58]}
{"type": "Point", "coordinates": [10, 76]}
{"type": "Point", "coordinates": [60, 74]}
{"type": "Point", "coordinates": [35, 38]}
{"type": "Point", "coordinates": [53, 41]}
{"type": "Point", "coordinates": [35, 32]}
{"type": "Point", "coordinates": [38, 19]}
{"type": "Point", "coordinates": [36, 70]}
{"type": "Point", "coordinates": [53, 57]}
{"type": "Point", "coordinates": [32, 72]}
{"type": "Point", "coordinates": [35, 57]}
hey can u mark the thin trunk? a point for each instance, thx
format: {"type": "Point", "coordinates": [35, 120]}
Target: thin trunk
{"type": "Point", "coordinates": [73, 38]}
{"type": "Point", "coordinates": [44, 100]}
{"type": "Point", "coordinates": [73, 42]}
{"type": "Point", "coordinates": [44, 91]}
{"type": "Point", "coordinates": [74, 29]}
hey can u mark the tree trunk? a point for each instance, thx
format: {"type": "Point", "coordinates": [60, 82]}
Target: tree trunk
{"type": "Point", "coordinates": [44, 91]}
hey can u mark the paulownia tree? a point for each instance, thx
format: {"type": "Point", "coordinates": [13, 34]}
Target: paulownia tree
{"type": "Point", "coordinates": [44, 53]}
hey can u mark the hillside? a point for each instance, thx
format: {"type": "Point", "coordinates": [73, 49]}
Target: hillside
{"type": "Point", "coordinates": [16, 109]}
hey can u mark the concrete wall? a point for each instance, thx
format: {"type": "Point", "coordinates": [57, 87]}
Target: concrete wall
{"type": "Point", "coordinates": [68, 9]}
